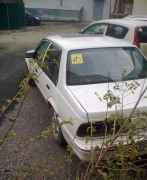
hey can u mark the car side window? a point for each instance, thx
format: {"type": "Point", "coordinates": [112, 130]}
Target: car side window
{"type": "Point", "coordinates": [52, 62]}
{"type": "Point", "coordinates": [116, 31]}
{"type": "Point", "coordinates": [41, 50]}
{"type": "Point", "coordinates": [96, 29]}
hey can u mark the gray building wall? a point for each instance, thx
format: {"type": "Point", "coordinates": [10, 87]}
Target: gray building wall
{"type": "Point", "coordinates": [140, 7]}
{"type": "Point", "coordinates": [67, 5]}
{"type": "Point", "coordinates": [106, 11]}
{"type": "Point", "coordinates": [108, 8]}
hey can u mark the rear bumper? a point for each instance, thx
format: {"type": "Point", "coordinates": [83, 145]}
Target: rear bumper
{"type": "Point", "coordinates": [84, 149]}
{"type": "Point", "coordinates": [87, 151]}
{"type": "Point", "coordinates": [83, 154]}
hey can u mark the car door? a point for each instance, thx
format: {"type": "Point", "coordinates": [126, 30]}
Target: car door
{"type": "Point", "coordinates": [37, 63]}
{"type": "Point", "coordinates": [98, 28]}
{"type": "Point", "coordinates": [50, 72]}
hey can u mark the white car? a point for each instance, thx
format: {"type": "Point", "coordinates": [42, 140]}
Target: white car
{"type": "Point", "coordinates": [79, 68]}
{"type": "Point", "coordinates": [131, 28]}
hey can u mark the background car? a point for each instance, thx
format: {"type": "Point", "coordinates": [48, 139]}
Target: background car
{"type": "Point", "coordinates": [31, 20]}
{"type": "Point", "coordinates": [133, 29]}
{"type": "Point", "coordinates": [69, 71]}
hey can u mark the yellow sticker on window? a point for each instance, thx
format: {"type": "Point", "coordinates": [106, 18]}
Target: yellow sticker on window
{"type": "Point", "coordinates": [77, 59]}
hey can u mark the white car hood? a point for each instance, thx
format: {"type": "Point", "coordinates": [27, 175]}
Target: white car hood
{"type": "Point", "coordinates": [87, 96]}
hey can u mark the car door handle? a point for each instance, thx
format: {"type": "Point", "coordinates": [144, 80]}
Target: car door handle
{"type": "Point", "coordinates": [47, 86]}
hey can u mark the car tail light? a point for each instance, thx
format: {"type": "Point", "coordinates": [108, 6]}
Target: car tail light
{"type": "Point", "coordinates": [137, 39]}
{"type": "Point", "coordinates": [98, 129]}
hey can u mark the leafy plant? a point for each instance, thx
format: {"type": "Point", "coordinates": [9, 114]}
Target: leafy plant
{"type": "Point", "coordinates": [120, 150]}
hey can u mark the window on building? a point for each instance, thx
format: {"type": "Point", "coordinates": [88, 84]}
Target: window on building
{"type": "Point", "coordinates": [61, 2]}
{"type": "Point", "coordinates": [122, 8]}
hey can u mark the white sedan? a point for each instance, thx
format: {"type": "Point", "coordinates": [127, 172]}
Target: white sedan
{"type": "Point", "coordinates": [78, 69]}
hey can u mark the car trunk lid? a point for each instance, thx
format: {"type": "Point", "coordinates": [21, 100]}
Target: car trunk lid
{"type": "Point", "coordinates": [91, 98]}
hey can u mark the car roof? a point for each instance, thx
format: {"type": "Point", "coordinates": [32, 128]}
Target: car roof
{"type": "Point", "coordinates": [128, 22]}
{"type": "Point", "coordinates": [73, 42]}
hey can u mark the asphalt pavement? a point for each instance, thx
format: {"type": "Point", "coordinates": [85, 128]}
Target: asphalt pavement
{"type": "Point", "coordinates": [23, 157]}
{"type": "Point", "coordinates": [13, 45]}
{"type": "Point", "coordinates": [12, 70]}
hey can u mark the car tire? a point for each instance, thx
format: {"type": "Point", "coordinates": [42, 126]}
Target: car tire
{"type": "Point", "coordinates": [31, 83]}
{"type": "Point", "coordinates": [30, 80]}
{"type": "Point", "coordinates": [57, 132]}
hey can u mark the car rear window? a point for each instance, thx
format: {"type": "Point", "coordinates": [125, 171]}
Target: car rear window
{"type": "Point", "coordinates": [92, 66]}
{"type": "Point", "coordinates": [116, 31]}
{"type": "Point", "coordinates": [142, 31]}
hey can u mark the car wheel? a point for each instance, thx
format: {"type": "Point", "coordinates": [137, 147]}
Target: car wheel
{"type": "Point", "coordinates": [31, 83]}
{"type": "Point", "coordinates": [30, 80]}
{"type": "Point", "coordinates": [57, 132]}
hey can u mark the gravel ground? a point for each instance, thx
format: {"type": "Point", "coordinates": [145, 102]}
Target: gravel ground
{"type": "Point", "coordinates": [23, 157]}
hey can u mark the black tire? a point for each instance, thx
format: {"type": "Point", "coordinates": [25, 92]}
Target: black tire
{"type": "Point", "coordinates": [32, 83]}
{"type": "Point", "coordinates": [57, 132]}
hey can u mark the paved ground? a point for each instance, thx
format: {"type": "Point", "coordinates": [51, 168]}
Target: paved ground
{"type": "Point", "coordinates": [30, 155]}
{"type": "Point", "coordinates": [13, 45]}
{"type": "Point", "coordinates": [22, 157]}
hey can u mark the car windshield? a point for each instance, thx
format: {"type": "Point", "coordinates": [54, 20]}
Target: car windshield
{"type": "Point", "coordinates": [101, 65]}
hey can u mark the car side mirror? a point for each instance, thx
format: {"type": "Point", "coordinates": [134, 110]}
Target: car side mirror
{"type": "Point", "coordinates": [30, 54]}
